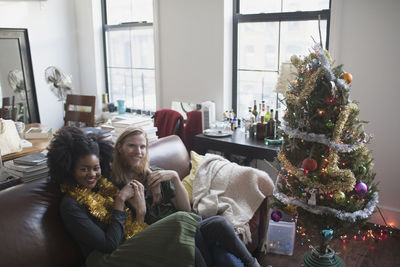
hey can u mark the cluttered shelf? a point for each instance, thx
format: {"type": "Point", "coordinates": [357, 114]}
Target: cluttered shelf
{"type": "Point", "coordinates": [30, 163]}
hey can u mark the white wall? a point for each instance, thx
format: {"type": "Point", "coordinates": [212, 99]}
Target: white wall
{"type": "Point", "coordinates": [51, 29]}
{"type": "Point", "coordinates": [90, 49]}
{"type": "Point", "coordinates": [365, 38]}
{"type": "Point", "coordinates": [192, 52]}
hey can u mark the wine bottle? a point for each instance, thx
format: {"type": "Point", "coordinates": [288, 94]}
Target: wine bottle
{"type": "Point", "coordinates": [271, 126]}
{"type": "Point", "coordinates": [255, 113]}
{"type": "Point", "coordinates": [267, 115]}
{"type": "Point", "coordinates": [260, 132]}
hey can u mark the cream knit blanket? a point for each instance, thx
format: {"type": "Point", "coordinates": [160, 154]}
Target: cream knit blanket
{"type": "Point", "coordinates": [235, 192]}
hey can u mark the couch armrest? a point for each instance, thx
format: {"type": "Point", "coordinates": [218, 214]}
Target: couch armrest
{"type": "Point", "coordinates": [258, 228]}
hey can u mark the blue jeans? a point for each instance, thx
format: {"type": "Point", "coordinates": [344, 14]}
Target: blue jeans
{"type": "Point", "coordinates": [218, 244]}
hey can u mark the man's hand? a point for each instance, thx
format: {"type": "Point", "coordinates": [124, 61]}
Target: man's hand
{"type": "Point", "coordinates": [154, 180]}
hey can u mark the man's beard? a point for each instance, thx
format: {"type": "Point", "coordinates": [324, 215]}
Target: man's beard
{"type": "Point", "coordinates": [139, 169]}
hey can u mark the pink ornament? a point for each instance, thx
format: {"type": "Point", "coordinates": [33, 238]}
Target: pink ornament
{"type": "Point", "coordinates": [361, 188]}
{"type": "Point", "coordinates": [276, 216]}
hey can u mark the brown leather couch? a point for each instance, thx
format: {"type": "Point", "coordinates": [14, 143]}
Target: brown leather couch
{"type": "Point", "coordinates": [31, 230]}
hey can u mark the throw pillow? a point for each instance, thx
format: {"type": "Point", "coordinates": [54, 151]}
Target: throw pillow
{"type": "Point", "coordinates": [188, 180]}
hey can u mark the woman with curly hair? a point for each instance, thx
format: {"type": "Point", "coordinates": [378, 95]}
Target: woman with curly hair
{"type": "Point", "coordinates": [94, 213]}
{"type": "Point", "coordinates": [166, 195]}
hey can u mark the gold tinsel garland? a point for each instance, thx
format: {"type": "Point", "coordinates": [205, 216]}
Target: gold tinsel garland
{"type": "Point", "coordinates": [346, 179]}
{"type": "Point", "coordinates": [101, 204]}
{"type": "Point", "coordinates": [308, 88]}
{"type": "Point", "coordinates": [343, 116]}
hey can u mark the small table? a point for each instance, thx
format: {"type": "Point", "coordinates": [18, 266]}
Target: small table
{"type": "Point", "coordinates": [37, 145]}
{"type": "Point", "coordinates": [238, 143]}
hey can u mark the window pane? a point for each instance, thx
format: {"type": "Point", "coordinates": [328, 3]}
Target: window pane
{"type": "Point", "coordinates": [258, 46]}
{"type": "Point", "coordinates": [142, 45]}
{"type": "Point", "coordinates": [296, 37]}
{"type": "Point", "coordinates": [119, 46]}
{"type": "Point", "coordinates": [120, 11]}
{"type": "Point", "coordinates": [131, 47]}
{"type": "Point", "coordinates": [309, 5]}
{"type": "Point", "coordinates": [144, 90]}
{"type": "Point", "coordinates": [255, 86]}
{"type": "Point", "coordinates": [136, 87]}
{"type": "Point", "coordinates": [259, 6]}
{"type": "Point", "coordinates": [120, 84]}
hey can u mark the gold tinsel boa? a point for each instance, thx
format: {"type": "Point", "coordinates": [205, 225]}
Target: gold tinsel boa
{"type": "Point", "coordinates": [101, 204]}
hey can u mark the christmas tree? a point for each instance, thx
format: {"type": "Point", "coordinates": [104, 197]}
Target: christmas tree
{"type": "Point", "coordinates": [326, 176]}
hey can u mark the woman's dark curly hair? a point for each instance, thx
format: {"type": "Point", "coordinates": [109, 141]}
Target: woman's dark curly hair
{"type": "Point", "coordinates": [70, 144]}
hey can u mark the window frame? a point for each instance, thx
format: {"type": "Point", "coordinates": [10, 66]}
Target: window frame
{"type": "Point", "coordinates": [324, 14]}
{"type": "Point", "coordinates": [107, 28]}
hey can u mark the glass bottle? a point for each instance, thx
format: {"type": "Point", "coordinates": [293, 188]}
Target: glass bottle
{"type": "Point", "coordinates": [260, 132]}
{"type": "Point", "coordinates": [262, 110]}
{"type": "Point", "coordinates": [271, 126]}
{"type": "Point", "coordinates": [255, 113]}
{"type": "Point", "coordinates": [267, 115]}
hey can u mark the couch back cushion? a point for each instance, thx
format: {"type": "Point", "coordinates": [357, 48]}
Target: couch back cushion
{"type": "Point", "coordinates": [170, 153]}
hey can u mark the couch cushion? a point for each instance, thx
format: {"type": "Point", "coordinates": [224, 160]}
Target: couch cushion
{"type": "Point", "coordinates": [31, 230]}
{"type": "Point", "coordinates": [188, 180]}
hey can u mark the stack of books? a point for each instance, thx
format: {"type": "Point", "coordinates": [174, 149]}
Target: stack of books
{"type": "Point", "coordinates": [38, 132]}
{"type": "Point", "coordinates": [97, 130]}
{"type": "Point", "coordinates": [30, 167]}
{"type": "Point", "coordinates": [118, 125]}
{"type": "Point", "coordinates": [7, 179]}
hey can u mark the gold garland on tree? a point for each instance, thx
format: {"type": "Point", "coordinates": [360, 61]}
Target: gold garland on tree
{"type": "Point", "coordinates": [101, 204]}
{"type": "Point", "coordinates": [308, 88]}
{"type": "Point", "coordinates": [346, 177]}
{"type": "Point", "coordinates": [311, 80]}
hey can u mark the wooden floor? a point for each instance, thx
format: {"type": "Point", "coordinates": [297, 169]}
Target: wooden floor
{"type": "Point", "coordinates": [355, 253]}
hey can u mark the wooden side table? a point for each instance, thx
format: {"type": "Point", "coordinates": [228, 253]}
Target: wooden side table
{"type": "Point", "coordinates": [37, 145]}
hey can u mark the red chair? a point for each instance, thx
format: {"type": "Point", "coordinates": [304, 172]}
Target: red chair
{"type": "Point", "coordinates": [168, 122]}
{"type": "Point", "coordinates": [193, 126]}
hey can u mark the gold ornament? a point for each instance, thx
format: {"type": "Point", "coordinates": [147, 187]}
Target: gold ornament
{"type": "Point", "coordinates": [347, 77]}
{"type": "Point", "coordinates": [292, 210]}
{"type": "Point", "coordinates": [101, 204]}
{"type": "Point", "coordinates": [339, 196]}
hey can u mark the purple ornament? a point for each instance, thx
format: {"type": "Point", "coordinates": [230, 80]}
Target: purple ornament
{"type": "Point", "coordinates": [276, 216]}
{"type": "Point", "coordinates": [361, 188]}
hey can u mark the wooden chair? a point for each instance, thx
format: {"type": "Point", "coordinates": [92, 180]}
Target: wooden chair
{"type": "Point", "coordinates": [8, 111]}
{"type": "Point", "coordinates": [76, 110]}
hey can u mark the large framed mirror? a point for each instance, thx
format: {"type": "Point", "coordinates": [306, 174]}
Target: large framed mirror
{"type": "Point", "coordinates": [16, 75]}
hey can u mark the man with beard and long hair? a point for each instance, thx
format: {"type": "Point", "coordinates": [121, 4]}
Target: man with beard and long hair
{"type": "Point", "coordinates": [215, 239]}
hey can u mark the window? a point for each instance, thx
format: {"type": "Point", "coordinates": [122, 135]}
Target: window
{"type": "Point", "coordinates": [129, 52]}
{"type": "Point", "coordinates": [265, 34]}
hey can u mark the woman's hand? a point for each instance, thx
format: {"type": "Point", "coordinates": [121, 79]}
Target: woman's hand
{"type": "Point", "coordinates": [138, 201]}
{"type": "Point", "coordinates": [124, 194]}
